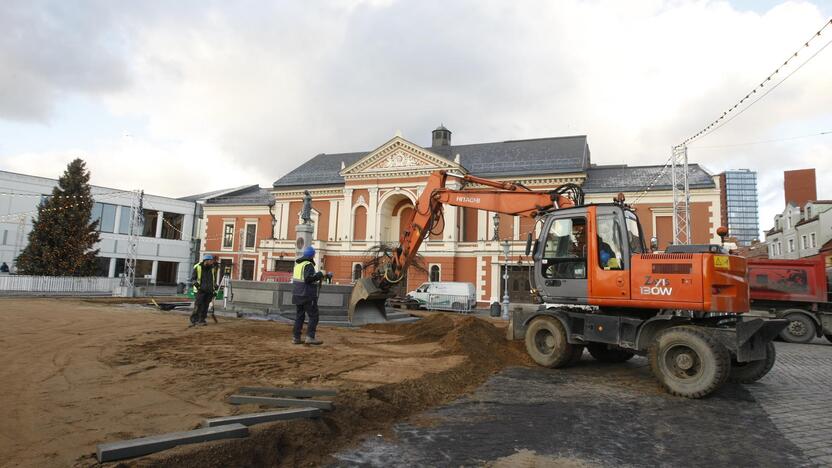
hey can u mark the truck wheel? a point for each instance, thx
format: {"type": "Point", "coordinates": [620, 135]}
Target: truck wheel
{"type": "Point", "coordinates": [602, 352]}
{"type": "Point", "coordinates": [688, 361]}
{"type": "Point", "coordinates": [546, 343]}
{"type": "Point", "coordinates": [750, 372]}
{"type": "Point", "coordinates": [828, 337]}
{"type": "Point", "coordinates": [801, 329]}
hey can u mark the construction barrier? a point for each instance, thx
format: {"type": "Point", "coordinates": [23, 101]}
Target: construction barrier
{"type": "Point", "coordinates": [72, 285]}
{"type": "Point", "coordinates": [449, 302]}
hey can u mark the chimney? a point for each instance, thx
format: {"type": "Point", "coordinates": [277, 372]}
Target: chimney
{"type": "Point", "coordinates": [799, 187]}
{"type": "Point", "coordinates": [441, 136]}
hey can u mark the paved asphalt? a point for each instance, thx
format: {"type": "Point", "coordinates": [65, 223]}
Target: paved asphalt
{"type": "Point", "coordinates": [598, 414]}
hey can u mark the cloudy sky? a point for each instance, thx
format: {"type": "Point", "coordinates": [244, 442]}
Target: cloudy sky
{"type": "Point", "coordinates": [190, 96]}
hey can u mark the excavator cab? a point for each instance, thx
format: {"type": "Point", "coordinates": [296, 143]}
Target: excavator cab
{"type": "Point", "coordinates": [587, 251]}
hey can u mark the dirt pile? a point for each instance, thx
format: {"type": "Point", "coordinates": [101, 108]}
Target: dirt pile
{"type": "Point", "coordinates": [366, 412]}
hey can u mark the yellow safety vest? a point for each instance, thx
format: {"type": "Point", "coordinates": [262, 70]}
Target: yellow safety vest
{"type": "Point", "coordinates": [198, 268]}
{"type": "Point", "coordinates": [297, 275]}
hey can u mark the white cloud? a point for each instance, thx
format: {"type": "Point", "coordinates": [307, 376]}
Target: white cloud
{"type": "Point", "coordinates": [254, 89]}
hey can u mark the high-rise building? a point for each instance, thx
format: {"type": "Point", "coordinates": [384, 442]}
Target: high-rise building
{"type": "Point", "coordinates": [799, 186]}
{"type": "Point", "coordinates": [739, 205]}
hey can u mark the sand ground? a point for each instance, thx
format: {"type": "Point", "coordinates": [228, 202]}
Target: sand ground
{"type": "Point", "coordinates": [76, 373]}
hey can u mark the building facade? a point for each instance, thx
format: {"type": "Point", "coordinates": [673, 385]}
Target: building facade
{"type": "Point", "coordinates": [740, 212]}
{"type": "Point", "coordinates": [363, 199]}
{"type": "Point", "coordinates": [165, 250]}
{"type": "Point", "coordinates": [800, 231]}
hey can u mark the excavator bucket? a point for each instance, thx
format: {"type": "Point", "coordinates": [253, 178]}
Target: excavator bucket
{"type": "Point", "coordinates": [367, 303]}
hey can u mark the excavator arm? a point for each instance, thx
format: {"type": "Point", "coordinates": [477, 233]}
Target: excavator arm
{"type": "Point", "coordinates": [369, 294]}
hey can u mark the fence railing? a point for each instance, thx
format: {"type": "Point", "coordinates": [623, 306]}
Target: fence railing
{"type": "Point", "coordinates": [15, 284]}
{"type": "Point", "coordinates": [449, 302]}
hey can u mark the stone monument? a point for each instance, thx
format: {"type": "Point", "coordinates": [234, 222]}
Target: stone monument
{"type": "Point", "coordinates": [304, 230]}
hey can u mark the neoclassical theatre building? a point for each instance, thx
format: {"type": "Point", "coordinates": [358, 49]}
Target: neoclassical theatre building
{"type": "Point", "coordinates": [362, 199]}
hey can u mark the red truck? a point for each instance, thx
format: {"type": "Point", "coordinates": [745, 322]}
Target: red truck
{"type": "Point", "coordinates": [797, 290]}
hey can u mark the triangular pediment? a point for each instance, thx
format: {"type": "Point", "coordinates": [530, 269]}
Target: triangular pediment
{"type": "Point", "coordinates": [399, 158]}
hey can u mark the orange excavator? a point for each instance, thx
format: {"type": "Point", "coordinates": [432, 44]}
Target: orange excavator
{"type": "Point", "coordinates": [601, 288]}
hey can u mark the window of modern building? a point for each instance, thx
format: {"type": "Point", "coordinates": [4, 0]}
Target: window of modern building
{"type": "Point", "coordinates": [105, 214]}
{"type": "Point", "coordinates": [172, 225]}
{"type": "Point", "coordinates": [124, 220]}
{"type": "Point", "coordinates": [151, 217]}
{"type": "Point", "coordinates": [102, 266]}
{"type": "Point", "coordinates": [228, 236]}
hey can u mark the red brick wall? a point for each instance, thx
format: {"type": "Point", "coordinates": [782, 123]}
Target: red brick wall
{"type": "Point", "coordinates": [799, 186]}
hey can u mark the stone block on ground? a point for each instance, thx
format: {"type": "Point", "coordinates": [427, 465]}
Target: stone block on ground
{"type": "Point", "coordinates": [269, 416]}
{"type": "Point", "coordinates": [280, 402]}
{"type": "Point", "coordinates": [146, 445]}
{"type": "Point", "coordinates": [290, 392]}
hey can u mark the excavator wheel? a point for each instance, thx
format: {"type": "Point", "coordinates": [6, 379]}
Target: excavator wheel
{"type": "Point", "coordinates": [602, 352]}
{"type": "Point", "coordinates": [750, 372]}
{"type": "Point", "coordinates": [688, 361]}
{"type": "Point", "coordinates": [547, 345]}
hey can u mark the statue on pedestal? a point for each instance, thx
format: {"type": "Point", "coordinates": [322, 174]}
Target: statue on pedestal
{"type": "Point", "coordinates": [306, 211]}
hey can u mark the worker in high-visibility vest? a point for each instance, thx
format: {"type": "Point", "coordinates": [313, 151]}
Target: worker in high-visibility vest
{"type": "Point", "coordinates": [305, 281]}
{"type": "Point", "coordinates": [204, 284]}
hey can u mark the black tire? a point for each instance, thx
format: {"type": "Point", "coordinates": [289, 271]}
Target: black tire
{"type": "Point", "coordinates": [546, 343]}
{"type": "Point", "coordinates": [801, 328]}
{"type": "Point", "coordinates": [750, 372]}
{"type": "Point", "coordinates": [828, 337]}
{"type": "Point", "coordinates": [602, 352]}
{"type": "Point", "coordinates": [688, 361]}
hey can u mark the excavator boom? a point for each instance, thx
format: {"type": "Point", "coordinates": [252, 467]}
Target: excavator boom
{"type": "Point", "coordinates": [367, 303]}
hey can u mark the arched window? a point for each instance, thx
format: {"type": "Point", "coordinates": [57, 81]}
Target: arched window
{"type": "Point", "coordinates": [357, 271]}
{"type": "Point", "coordinates": [435, 273]}
{"type": "Point", "coordinates": [359, 226]}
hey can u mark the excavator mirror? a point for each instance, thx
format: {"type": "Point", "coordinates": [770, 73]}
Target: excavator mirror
{"type": "Point", "coordinates": [528, 244]}
{"type": "Point", "coordinates": [654, 244]}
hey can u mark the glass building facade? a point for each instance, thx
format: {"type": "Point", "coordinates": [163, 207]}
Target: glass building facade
{"type": "Point", "coordinates": [741, 198]}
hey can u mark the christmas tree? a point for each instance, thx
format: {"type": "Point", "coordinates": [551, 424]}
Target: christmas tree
{"type": "Point", "coordinates": [62, 238]}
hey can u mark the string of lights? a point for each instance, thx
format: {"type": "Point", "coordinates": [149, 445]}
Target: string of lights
{"type": "Point", "coordinates": [762, 142]}
{"type": "Point", "coordinates": [721, 120]}
{"type": "Point", "coordinates": [20, 214]}
{"type": "Point", "coordinates": [649, 186]}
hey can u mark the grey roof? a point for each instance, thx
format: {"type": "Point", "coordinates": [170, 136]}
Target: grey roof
{"type": "Point", "coordinates": [555, 155]}
{"type": "Point", "coordinates": [507, 158]}
{"type": "Point", "coordinates": [323, 169]}
{"type": "Point", "coordinates": [216, 193]}
{"type": "Point", "coordinates": [623, 178]}
{"type": "Point", "coordinates": [253, 195]}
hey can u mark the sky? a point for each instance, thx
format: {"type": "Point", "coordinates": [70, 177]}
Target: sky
{"type": "Point", "coordinates": [184, 97]}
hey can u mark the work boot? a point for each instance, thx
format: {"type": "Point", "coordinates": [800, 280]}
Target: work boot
{"type": "Point", "coordinates": [310, 340]}
{"type": "Point", "coordinates": [296, 341]}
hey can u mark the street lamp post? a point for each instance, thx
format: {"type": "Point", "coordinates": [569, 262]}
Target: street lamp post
{"type": "Point", "coordinates": [506, 251]}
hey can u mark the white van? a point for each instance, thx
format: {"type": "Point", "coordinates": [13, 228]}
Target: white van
{"type": "Point", "coordinates": [446, 295]}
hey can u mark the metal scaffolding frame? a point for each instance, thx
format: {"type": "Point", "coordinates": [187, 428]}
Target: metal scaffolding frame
{"type": "Point", "coordinates": [136, 225]}
{"type": "Point", "coordinates": [681, 195]}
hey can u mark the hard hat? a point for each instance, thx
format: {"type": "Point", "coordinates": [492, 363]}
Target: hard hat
{"type": "Point", "coordinates": [308, 251]}
{"type": "Point", "coordinates": [207, 257]}
{"type": "Point", "coordinates": [605, 257]}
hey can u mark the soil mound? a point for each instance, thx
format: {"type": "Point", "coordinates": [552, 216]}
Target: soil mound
{"type": "Point", "coordinates": [361, 413]}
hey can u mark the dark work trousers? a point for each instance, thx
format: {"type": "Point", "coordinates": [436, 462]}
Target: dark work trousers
{"type": "Point", "coordinates": [308, 308]}
{"type": "Point", "coordinates": [201, 303]}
